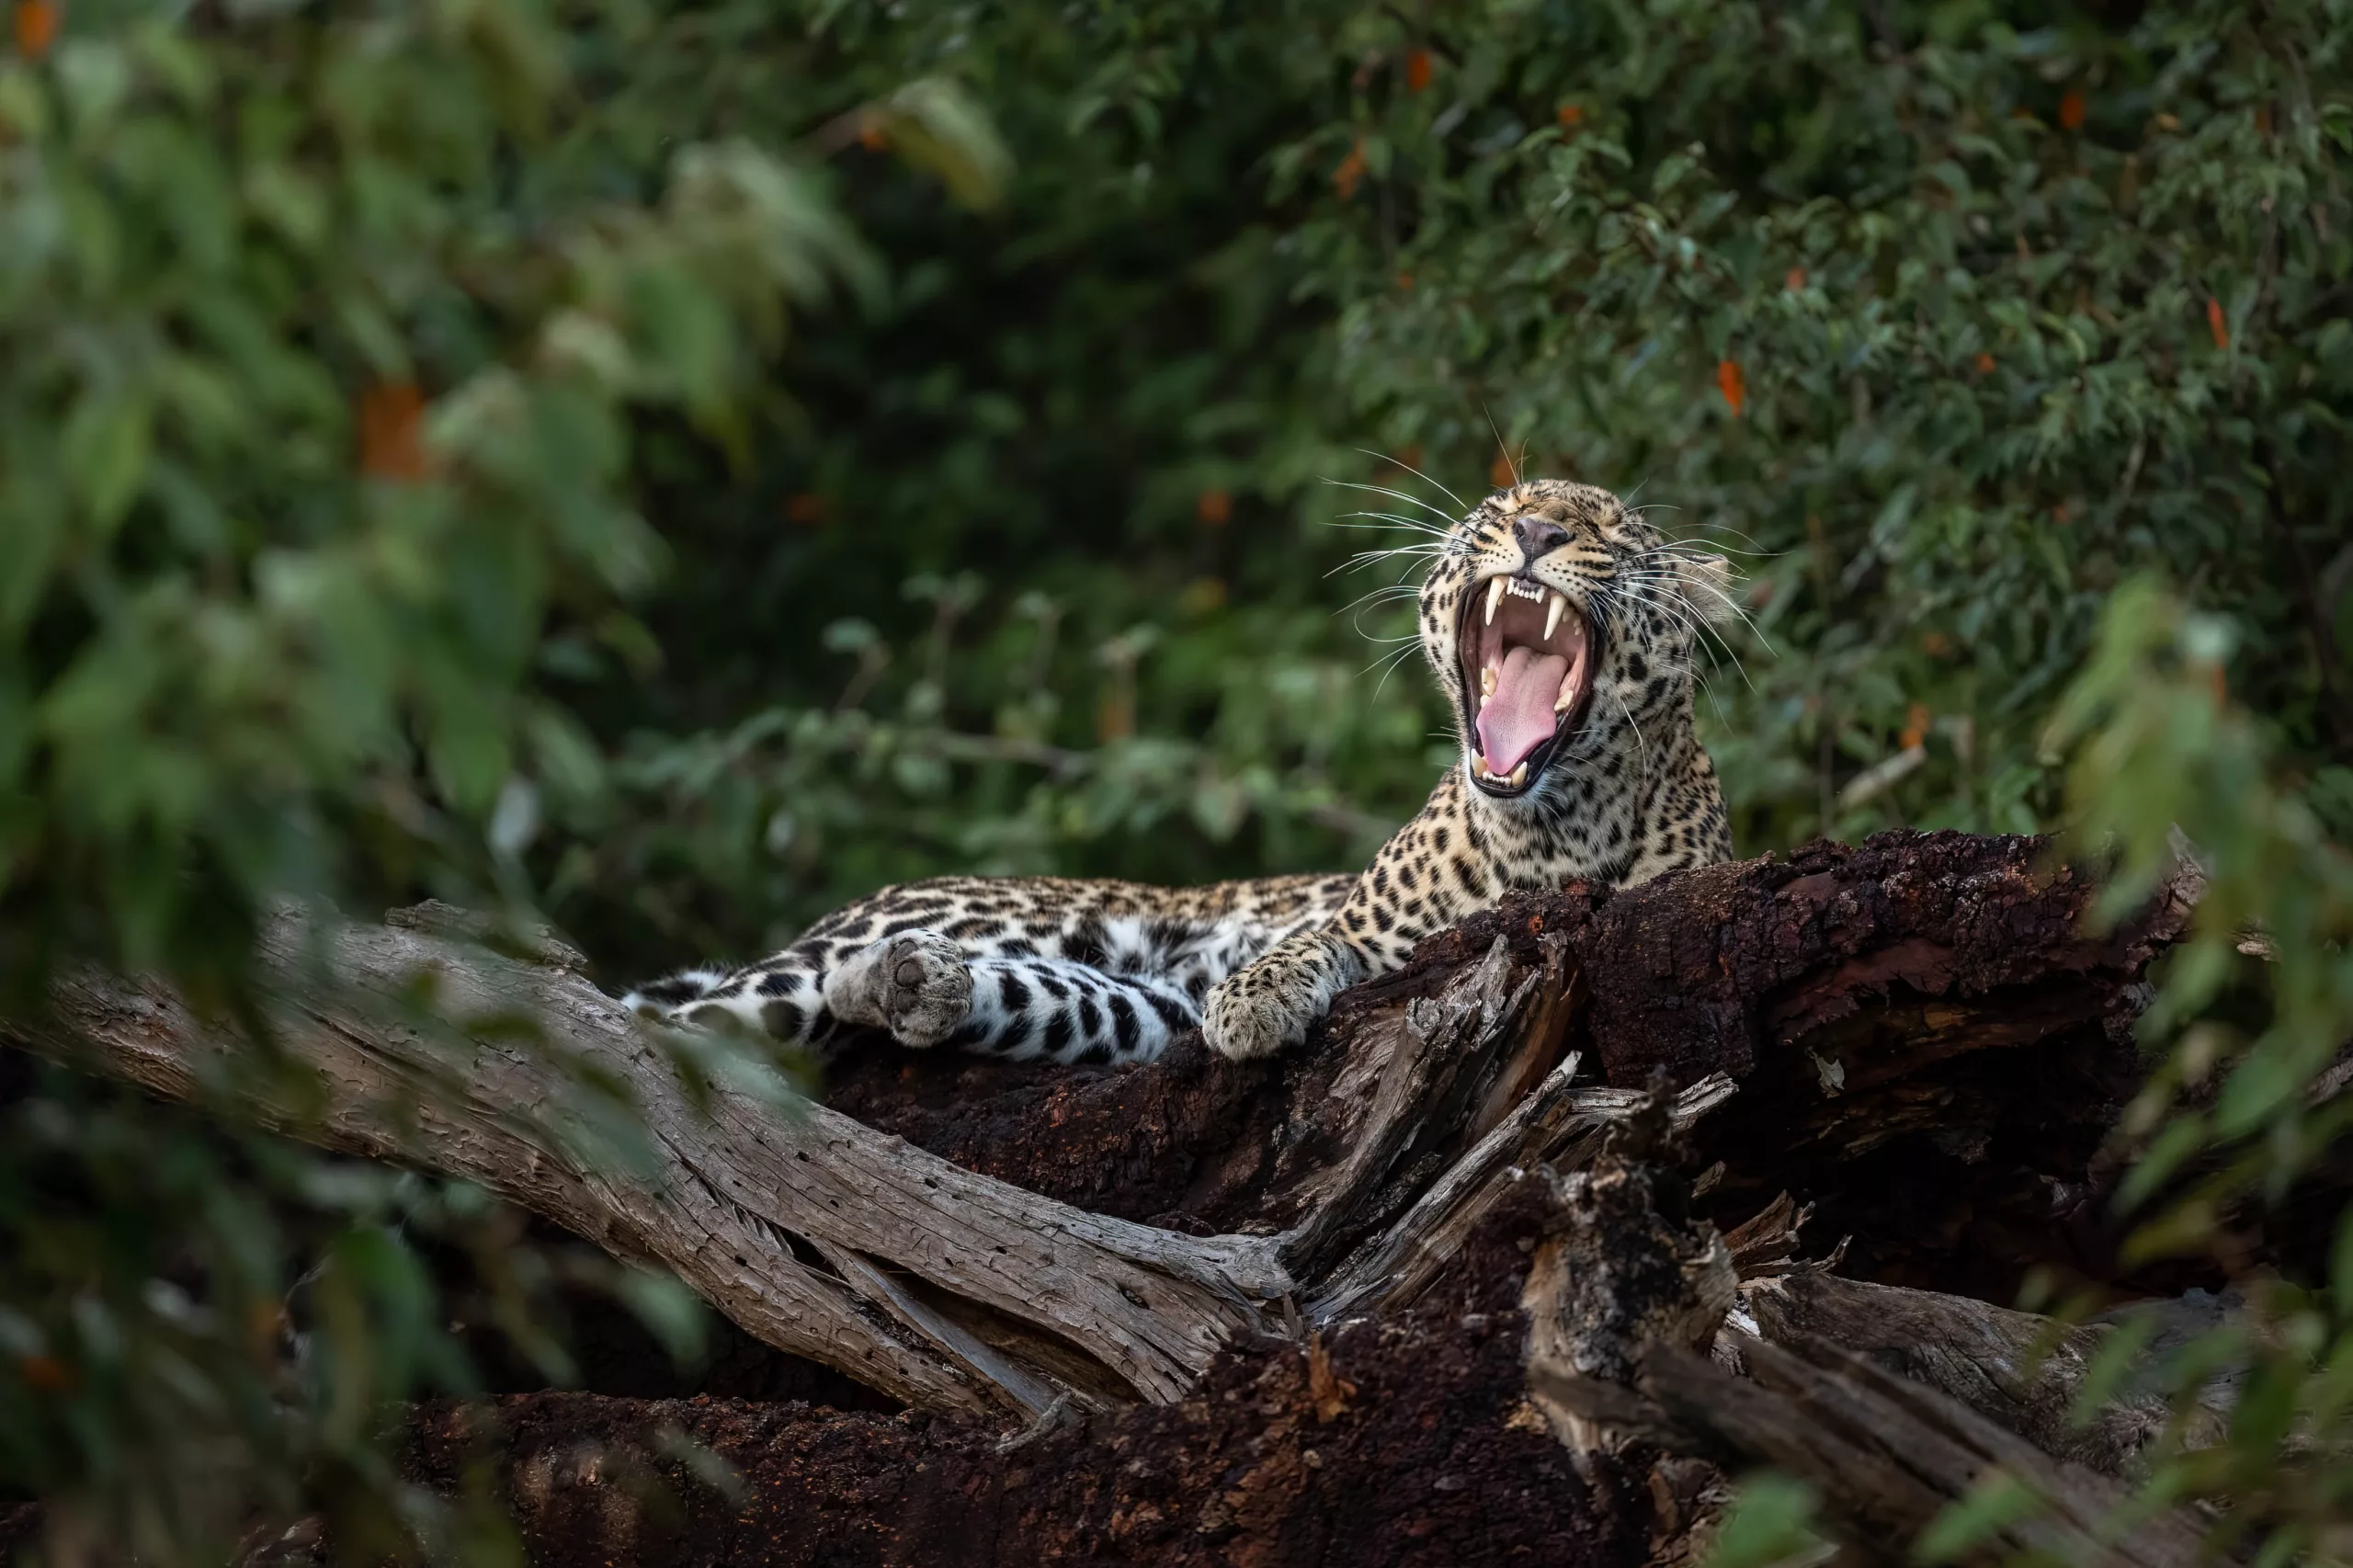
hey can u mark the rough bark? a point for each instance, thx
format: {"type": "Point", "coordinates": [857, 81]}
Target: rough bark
{"type": "Point", "coordinates": [1927, 1044]}
{"type": "Point", "coordinates": [1281, 1311]}
{"type": "Point", "coordinates": [2020, 1370]}
{"type": "Point", "coordinates": [1398, 1441]}
{"type": "Point", "coordinates": [1630, 1288]}
{"type": "Point", "coordinates": [953, 1290]}
{"type": "Point", "coordinates": [742, 1191]}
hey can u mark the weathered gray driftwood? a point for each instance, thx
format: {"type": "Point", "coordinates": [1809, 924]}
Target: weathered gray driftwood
{"type": "Point", "coordinates": [2021, 1371]}
{"type": "Point", "coordinates": [817, 1235]}
{"type": "Point", "coordinates": [741, 1190]}
{"type": "Point", "coordinates": [1625, 1295]}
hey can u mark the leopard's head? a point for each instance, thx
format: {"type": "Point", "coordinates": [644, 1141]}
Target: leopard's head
{"type": "Point", "coordinates": [1561, 625]}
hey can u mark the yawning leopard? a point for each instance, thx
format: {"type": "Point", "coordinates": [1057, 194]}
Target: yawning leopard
{"type": "Point", "coordinates": [1562, 627]}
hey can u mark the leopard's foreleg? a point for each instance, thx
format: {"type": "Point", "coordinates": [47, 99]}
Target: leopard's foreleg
{"type": "Point", "coordinates": [1267, 1006]}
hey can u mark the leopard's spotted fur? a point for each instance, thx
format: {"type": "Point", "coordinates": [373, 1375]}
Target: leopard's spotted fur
{"type": "Point", "coordinates": [1078, 970]}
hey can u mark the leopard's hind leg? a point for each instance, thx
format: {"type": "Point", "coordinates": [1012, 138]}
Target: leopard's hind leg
{"type": "Point", "coordinates": [917, 985]}
{"type": "Point", "coordinates": [925, 990]}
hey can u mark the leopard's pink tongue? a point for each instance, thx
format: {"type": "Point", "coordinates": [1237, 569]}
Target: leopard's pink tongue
{"type": "Point", "coordinates": [1519, 717]}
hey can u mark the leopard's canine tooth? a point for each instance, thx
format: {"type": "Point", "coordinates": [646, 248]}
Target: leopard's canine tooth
{"type": "Point", "coordinates": [1494, 597]}
{"type": "Point", "coordinates": [1553, 613]}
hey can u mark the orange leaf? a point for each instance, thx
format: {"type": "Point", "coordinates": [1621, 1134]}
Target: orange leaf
{"type": "Point", "coordinates": [1984, 363]}
{"type": "Point", "coordinates": [1405, 282]}
{"type": "Point", "coordinates": [1571, 114]}
{"type": "Point", "coordinates": [2263, 121]}
{"type": "Point", "coordinates": [1732, 384]}
{"type": "Point", "coordinates": [1795, 280]}
{"type": "Point", "coordinates": [1329, 1391]}
{"type": "Point", "coordinates": [1936, 644]}
{"type": "Point", "coordinates": [1499, 474]}
{"type": "Point", "coordinates": [46, 1374]}
{"type": "Point", "coordinates": [36, 26]}
{"type": "Point", "coordinates": [2071, 110]}
{"type": "Point", "coordinates": [1417, 70]}
{"type": "Point", "coordinates": [1351, 171]}
{"type": "Point", "coordinates": [392, 431]}
{"type": "Point", "coordinates": [871, 137]}
{"type": "Point", "coordinates": [2215, 323]}
{"type": "Point", "coordinates": [807, 507]}
{"type": "Point", "coordinates": [1214, 508]}
{"type": "Point", "coordinates": [1915, 726]}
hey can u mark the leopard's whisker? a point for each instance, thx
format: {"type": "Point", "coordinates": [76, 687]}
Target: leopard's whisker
{"type": "Point", "coordinates": [1363, 558]}
{"type": "Point", "coordinates": [1738, 610]}
{"type": "Point", "coordinates": [1502, 447]}
{"type": "Point", "coordinates": [1394, 494]}
{"type": "Point", "coordinates": [1417, 473]}
{"type": "Point", "coordinates": [1392, 661]}
{"type": "Point", "coordinates": [1696, 632]}
{"type": "Point", "coordinates": [1390, 520]}
{"type": "Point", "coordinates": [1643, 745]}
{"type": "Point", "coordinates": [1675, 614]}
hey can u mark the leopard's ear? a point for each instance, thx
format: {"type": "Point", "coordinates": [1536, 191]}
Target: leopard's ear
{"type": "Point", "coordinates": [1706, 582]}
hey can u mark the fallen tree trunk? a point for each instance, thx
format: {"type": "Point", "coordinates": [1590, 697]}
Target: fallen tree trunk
{"type": "Point", "coordinates": [1628, 1290]}
{"type": "Point", "coordinates": [951, 1290]}
{"type": "Point", "coordinates": [744, 1194]}
{"type": "Point", "coordinates": [1916, 1038]}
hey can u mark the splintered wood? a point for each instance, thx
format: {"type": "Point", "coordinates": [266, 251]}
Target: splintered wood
{"type": "Point", "coordinates": [1897, 1060]}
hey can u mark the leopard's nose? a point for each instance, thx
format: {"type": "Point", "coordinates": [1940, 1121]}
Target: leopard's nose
{"type": "Point", "coordinates": [1539, 537]}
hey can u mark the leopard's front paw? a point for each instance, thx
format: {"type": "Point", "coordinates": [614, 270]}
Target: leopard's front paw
{"type": "Point", "coordinates": [917, 984]}
{"type": "Point", "coordinates": [1248, 1016]}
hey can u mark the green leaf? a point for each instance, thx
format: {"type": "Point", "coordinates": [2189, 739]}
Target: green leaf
{"type": "Point", "coordinates": [106, 442]}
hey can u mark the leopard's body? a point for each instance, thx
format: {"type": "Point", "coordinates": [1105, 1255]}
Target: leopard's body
{"type": "Point", "coordinates": [1617, 790]}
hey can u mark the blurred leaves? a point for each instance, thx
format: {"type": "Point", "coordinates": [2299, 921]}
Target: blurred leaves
{"type": "Point", "coordinates": [2248, 1105]}
{"type": "Point", "coordinates": [397, 496]}
{"type": "Point", "coordinates": [327, 335]}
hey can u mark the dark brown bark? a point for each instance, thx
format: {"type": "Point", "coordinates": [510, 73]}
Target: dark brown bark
{"type": "Point", "coordinates": [1926, 1047]}
{"type": "Point", "coordinates": [1402, 1442]}
{"type": "Point", "coordinates": [1911, 1048]}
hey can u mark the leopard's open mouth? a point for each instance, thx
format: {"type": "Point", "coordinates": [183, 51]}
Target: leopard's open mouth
{"type": "Point", "coordinates": [1527, 656]}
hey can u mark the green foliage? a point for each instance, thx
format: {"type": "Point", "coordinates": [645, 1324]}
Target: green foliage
{"type": "Point", "coordinates": [325, 335]}
{"type": "Point", "coordinates": [2236, 1119]}
{"type": "Point", "coordinates": [2014, 303]}
{"type": "Point", "coordinates": [1766, 1524]}
{"type": "Point", "coordinates": [683, 466]}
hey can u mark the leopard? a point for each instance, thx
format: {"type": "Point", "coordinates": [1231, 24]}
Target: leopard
{"type": "Point", "coordinates": [1564, 630]}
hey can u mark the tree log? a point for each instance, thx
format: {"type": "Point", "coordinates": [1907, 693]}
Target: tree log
{"type": "Point", "coordinates": [744, 1192]}
{"type": "Point", "coordinates": [2019, 1369]}
{"type": "Point", "coordinates": [946, 1288]}
{"type": "Point", "coordinates": [1897, 1035]}
{"type": "Point", "coordinates": [1630, 1288]}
